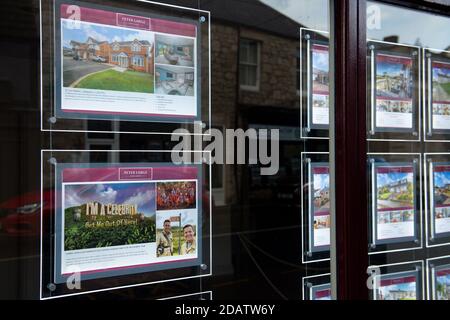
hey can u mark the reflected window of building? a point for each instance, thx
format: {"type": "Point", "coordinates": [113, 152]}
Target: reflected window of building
{"type": "Point", "coordinates": [249, 64]}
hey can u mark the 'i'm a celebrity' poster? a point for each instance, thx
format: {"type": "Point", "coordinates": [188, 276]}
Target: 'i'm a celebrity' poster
{"type": "Point", "coordinates": [127, 219]}
{"type": "Point", "coordinates": [394, 92]}
{"type": "Point", "coordinates": [114, 63]}
{"type": "Point", "coordinates": [395, 203]}
{"type": "Point", "coordinates": [441, 95]}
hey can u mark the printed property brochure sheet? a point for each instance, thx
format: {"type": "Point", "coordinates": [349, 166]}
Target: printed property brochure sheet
{"type": "Point", "coordinates": [441, 95]}
{"type": "Point", "coordinates": [320, 85]}
{"type": "Point", "coordinates": [399, 286]}
{"type": "Point", "coordinates": [117, 63]}
{"type": "Point", "coordinates": [395, 202]}
{"type": "Point", "coordinates": [320, 205]}
{"type": "Point", "coordinates": [394, 92]}
{"type": "Point", "coordinates": [127, 219]}
{"type": "Point", "coordinates": [441, 283]}
{"type": "Point", "coordinates": [441, 199]}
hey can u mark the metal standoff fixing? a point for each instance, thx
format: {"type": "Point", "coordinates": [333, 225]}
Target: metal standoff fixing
{"type": "Point", "coordinates": [52, 160]}
{"type": "Point", "coordinates": [52, 120]}
{"type": "Point", "coordinates": [202, 19]}
{"type": "Point", "coordinates": [203, 266]}
{"type": "Point", "coordinates": [51, 287]}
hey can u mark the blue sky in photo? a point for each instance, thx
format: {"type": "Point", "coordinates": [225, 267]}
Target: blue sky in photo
{"type": "Point", "coordinates": [187, 217]}
{"type": "Point", "coordinates": [442, 71]}
{"type": "Point", "coordinates": [410, 286]}
{"type": "Point", "coordinates": [387, 178]}
{"type": "Point", "coordinates": [100, 33]}
{"type": "Point", "coordinates": [441, 178]}
{"type": "Point", "coordinates": [320, 60]}
{"type": "Point", "coordinates": [140, 194]}
{"type": "Point", "coordinates": [443, 279]}
{"type": "Point", "coordinates": [321, 181]}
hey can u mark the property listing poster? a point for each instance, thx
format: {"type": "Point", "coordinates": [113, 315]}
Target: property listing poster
{"type": "Point", "coordinates": [320, 85]}
{"type": "Point", "coordinates": [442, 283]}
{"type": "Point", "coordinates": [322, 292]}
{"type": "Point", "coordinates": [441, 95]}
{"type": "Point", "coordinates": [395, 202]}
{"type": "Point", "coordinates": [400, 287]}
{"type": "Point", "coordinates": [394, 92]}
{"type": "Point", "coordinates": [121, 64]}
{"type": "Point", "coordinates": [321, 206]}
{"type": "Point", "coordinates": [125, 218]}
{"type": "Point", "coordinates": [441, 190]}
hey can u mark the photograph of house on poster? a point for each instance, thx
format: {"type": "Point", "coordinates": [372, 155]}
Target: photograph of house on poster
{"type": "Point", "coordinates": [441, 95]}
{"type": "Point", "coordinates": [321, 206]}
{"type": "Point", "coordinates": [402, 288]}
{"type": "Point", "coordinates": [395, 202]}
{"type": "Point", "coordinates": [394, 92]}
{"type": "Point", "coordinates": [107, 58]}
{"type": "Point", "coordinates": [123, 64]}
{"type": "Point", "coordinates": [320, 85]}
{"type": "Point", "coordinates": [442, 284]}
{"type": "Point", "coordinates": [441, 183]}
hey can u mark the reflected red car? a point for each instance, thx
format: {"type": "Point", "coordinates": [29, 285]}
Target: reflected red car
{"type": "Point", "coordinates": [21, 216]}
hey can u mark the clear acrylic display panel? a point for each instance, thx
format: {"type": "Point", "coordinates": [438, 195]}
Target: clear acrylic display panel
{"type": "Point", "coordinates": [310, 38]}
{"type": "Point", "coordinates": [385, 244]}
{"type": "Point", "coordinates": [435, 235]}
{"type": "Point", "coordinates": [381, 129]}
{"type": "Point", "coordinates": [317, 287]}
{"type": "Point", "coordinates": [54, 119]}
{"type": "Point", "coordinates": [397, 281]}
{"type": "Point", "coordinates": [436, 126]}
{"type": "Point", "coordinates": [91, 164]}
{"type": "Point", "coordinates": [311, 252]}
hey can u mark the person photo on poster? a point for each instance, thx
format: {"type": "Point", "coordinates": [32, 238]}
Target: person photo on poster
{"type": "Point", "coordinates": [394, 92]}
{"type": "Point", "coordinates": [321, 206]}
{"type": "Point", "coordinates": [397, 287]}
{"type": "Point", "coordinates": [441, 95]}
{"type": "Point", "coordinates": [114, 63]}
{"type": "Point", "coordinates": [441, 190]}
{"type": "Point", "coordinates": [395, 202]}
{"type": "Point", "coordinates": [124, 218]}
{"type": "Point", "coordinates": [320, 85]}
{"type": "Point", "coordinates": [442, 283]}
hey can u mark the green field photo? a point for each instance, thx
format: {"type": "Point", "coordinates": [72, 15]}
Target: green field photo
{"type": "Point", "coordinates": [127, 81]}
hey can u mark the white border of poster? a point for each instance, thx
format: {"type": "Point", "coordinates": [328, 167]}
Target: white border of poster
{"type": "Point", "coordinates": [428, 160]}
{"type": "Point", "coordinates": [428, 98]}
{"type": "Point", "coordinates": [304, 178]}
{"type": "Point", "coordinates": [419, 206]}
{"type": "Point", "coordinates": [416, 114]}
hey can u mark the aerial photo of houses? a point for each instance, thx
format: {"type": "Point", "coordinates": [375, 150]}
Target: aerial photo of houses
{"type": "Point", "coordinates": [107, 58]}
{"type": "Point", "coordinates": [393, 78]}
{"type": "Point", "coordinates": [441, 82]}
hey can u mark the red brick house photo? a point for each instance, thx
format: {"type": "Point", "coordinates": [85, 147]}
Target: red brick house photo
{"type": "Point", "coordinates": [135, 55]}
